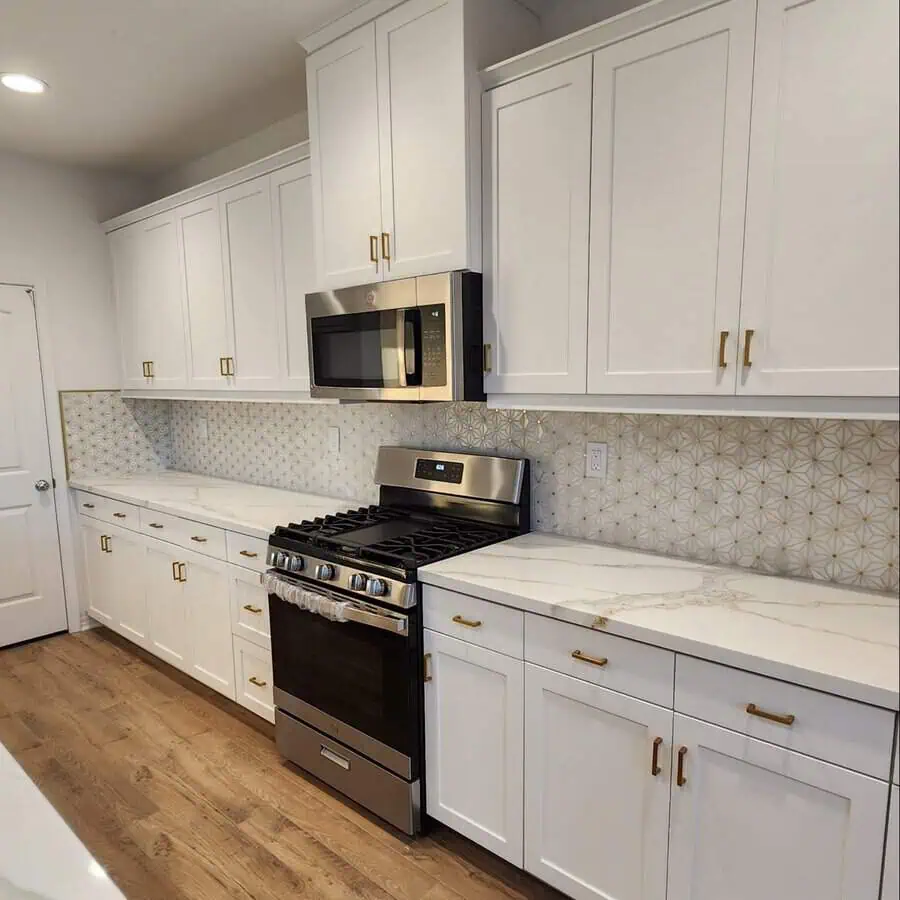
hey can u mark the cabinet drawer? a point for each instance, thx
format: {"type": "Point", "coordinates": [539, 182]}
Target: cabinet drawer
{"type": "Point", "coordinates": [203, 539]}
{"type": "Point", "coordinates": [253, 672]}
{"type": "Point", "coordinates": [475, 621]}
{"type": "Point", "coordinates": [616, 663]}
{"type": "Point", "coordinates": [249, 552]}
{"type": "Point", "coordinates": [830, 728]}
{"type": "Point", "coordinates": [249, 607]}
{"type": "Point", "coordinates": [107, 510]}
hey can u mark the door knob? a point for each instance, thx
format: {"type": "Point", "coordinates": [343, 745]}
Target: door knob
{"type": "Point", "coordinates": [42, 485]}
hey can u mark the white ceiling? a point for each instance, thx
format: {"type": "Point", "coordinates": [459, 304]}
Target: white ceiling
{"type": "Point", "coordinates": [143, 85]}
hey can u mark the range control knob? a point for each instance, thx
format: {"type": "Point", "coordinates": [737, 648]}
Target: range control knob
{"type": "Point", "coordinates": [324, 572]}
{"type": "Point", "coordinates": [279, 560]}
{"type": "Point", "coordinates": [295, 564]}
{"type": "Point", "coordinates": [376, 587]}
{"type": "Point", "coordinates": [358, 582]}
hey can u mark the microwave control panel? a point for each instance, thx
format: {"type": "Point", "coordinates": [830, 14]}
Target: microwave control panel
{"type": "Point", "coordinates": [434, 345]}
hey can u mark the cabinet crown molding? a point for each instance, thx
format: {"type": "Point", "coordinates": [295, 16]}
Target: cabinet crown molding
{"type": "Point", "coordinates": [362, 15]}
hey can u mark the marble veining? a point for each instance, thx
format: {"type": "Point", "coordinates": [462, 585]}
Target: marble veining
{"type": "Point", "coordinates": [841, 640]}
{"type": "Point", "coordinates": [40, 857]}
{"type": "Point", "coordinates": [246, 508]}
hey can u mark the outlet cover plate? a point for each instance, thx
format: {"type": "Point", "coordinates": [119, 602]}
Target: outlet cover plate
{"type": "Point", "coordinates": [596, 461]}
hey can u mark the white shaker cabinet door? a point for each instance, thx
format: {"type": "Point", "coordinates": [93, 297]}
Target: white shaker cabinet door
{"type": "Point", "coordinates": [167, 606]}
{"type": "Point", "coordinates": [123, 248]}
{"type": "Point", "coordinates": [101, 596]}
{"type": "Point", "coordinates": [343, 136]}
{"type": "Point", "coordinates": [537, 174]}
{"type": "Point", "coordinates": [248, 242]}
{"type": "Point", "coordinates": [821, 257]}
{"type": "Point", "coordinates": [126, 561]}
{"type": "Point", "coordinates": [752, 820]}
{"type": "Point", "coordinates": [474, 743]}
{"type": "Point", "coordinates": [890, 888]}
{"type": "Point", "coordinates": [597, 770]}
{"type": "Point", "coordinates": [295, 276]}
{"type": "Point", "coordinates": [208, 316]}
{"type": "Point", "coordinates": [668, 183]}
{"type": "Point", "coordinates": [423, 138]}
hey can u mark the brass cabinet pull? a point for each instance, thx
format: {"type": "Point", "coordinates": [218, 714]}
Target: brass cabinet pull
{"type": "Point", "coordinates": [104, 543]}
{"type": "Point", "coordinates": [255, 681]}
{"type": "Point", "coordinates": [174, 571]}
{"type": "Point", "coordinates": [182, 572]}
{"type": "Point", "coordinates": [680, 778]}
{"type": "Point", "coordinates": [386, 245]}
{"type": "Point", "coordinates": [468, 623]}
{"type": "Point", "coordinates": [196, 538]}
{"type": "Point", "coordinates": [427, 667]}
{"type": "Point", "coordinates": [120, 515]}
{"type": "Point", "coordinates": [754, 710]}
{"type": "Point", "coordinates": [223, 365]}
{"type": "Point", "coordinates": [155, 525]}
{"type": "Point", "coordinates": [147, 366]}
{"type": "Point", "coordinates": [593, 660]}
{"type": "Point", "coordinates": [88, 505]}
{"type": "Point", "coordinates": [373, 248]}
{"type": "Point", "coordinates": [230, 364]}
{"type": "Point", "coordinates": [256, 610]}
{"type": "Point", "coordinates": [654, 762]}
{"type": "Point", "coordinates": [723, 342]}
{"type": "Point", "coordinates": [748, 337]}
{"type": "Point", "coordinates": [486, 361]}
{"type": "Point", "coordinates": [249, 554]}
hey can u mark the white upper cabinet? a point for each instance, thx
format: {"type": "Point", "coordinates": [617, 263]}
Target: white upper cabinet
{"type": "Point", "coordinates": [423, 132]}
{"type": "Point", "coordinates": [123, 256]}
{"type": "Point", "coordinates": [291, 192]}
{"type": "Point", "coordinates": [257, 317]}
{"type": "Point", "coordinates": [207, 308]}
{"type": "Point", "coordinates": [671, 119]}
{"type": "Point", "coordinates": [821, 258]}
{"type": "Point", "coordinates": [536, 216]}
{"type": "Point", "coordinates": [343, 135]}
{"type": "Point", "coordinates": [752, 820]}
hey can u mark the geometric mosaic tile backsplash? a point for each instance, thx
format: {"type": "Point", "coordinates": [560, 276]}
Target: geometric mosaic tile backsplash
{"type": "Point", "coordinates": [805, 497]}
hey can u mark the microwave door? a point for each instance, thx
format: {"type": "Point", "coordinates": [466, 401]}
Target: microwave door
{"type": "Point", "coordinates": [409, 348]}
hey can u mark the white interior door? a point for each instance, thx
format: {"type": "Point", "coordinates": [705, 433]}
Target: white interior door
{"type": "Point", "coordinates": [821, 258]}
{"type": "Point", "coordinates": [343, 137]}
{"type": "Point", "coordinates": [422, 125]}
{"type": "Point", "coordinates": [668, 185]}
{"type": "Point", "coordinates": [536, 218]}
{"type": "Point", "coordinates": [295, 266]}
{"type": "Point", "coordinates": [32, 602]}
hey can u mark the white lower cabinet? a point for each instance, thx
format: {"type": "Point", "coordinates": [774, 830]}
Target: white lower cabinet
{"type": "Point", "coordinates": [169, 639]}
{"type": "Point", "coordinates": [474, 749]}
{"type": "Point", "coordinates": [597, 768]}
{"type": "Point", "coordinates": [890, 889]}
{"type": "Point", "coordinates": [99, 571]}
{"type": "Point", "coordinates": [253, 678]}
{"type": "Point", "coordinates": [249, 607]}
{"type": "Point", "coordinates": [126, 550]}
{"type": "Point", "coordinates": [752, 820]}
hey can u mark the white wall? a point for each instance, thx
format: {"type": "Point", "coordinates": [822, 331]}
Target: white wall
{"type": "Point", "coordinates": [565, 16]}
{"type": "Point", "coordinates": [278, 136]}
{"type": "Point", "coordinates": [50, 237]}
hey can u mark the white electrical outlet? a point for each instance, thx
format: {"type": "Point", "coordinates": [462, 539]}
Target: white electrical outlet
{"type": "Point", "coordinates": [201, 429]}
{"type": "Point", "coordinates": [334, 439]}
{"type": "Point", "coordinates": [596, 461]}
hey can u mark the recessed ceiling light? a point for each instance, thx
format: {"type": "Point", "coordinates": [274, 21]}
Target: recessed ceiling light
{"type": "Point", "coordinates": [25, 84]}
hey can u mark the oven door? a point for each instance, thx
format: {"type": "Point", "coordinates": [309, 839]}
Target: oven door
{"type": "Point", "coordinates": [355, 679]}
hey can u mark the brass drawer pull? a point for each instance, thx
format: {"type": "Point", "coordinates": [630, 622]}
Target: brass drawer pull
{"type": "Point", "coordinates": [680, 778]}
{"type": "Point", "coordinates": [155, 525]}
{"type": "Point", "coordinates": [426, 667]}
{"type": "Point", "coordinates": [748, 337]}
{"type": "Point", "coordinates": [754, 710]}
{"type": "Point", "coordinates": [373, 248]}
{"type": "Point", "coordinates": [723, 342]}
{"type": "Point", "coordinates": [593, 660]}
{"type": "Point", "coordinates": [654, 762]}
{"type": "Point", "coordinates": [120, 515]}
{"type": "Point", "coordinates": [386, 245]}
{"type": "Point", "coordinates": [250, 554]}
{"type": "Point", "coordinates": [256, 682]}
{"type": "Point", "coordinates": [256, 610]}
{"type": "Point", "coordinates": [468, 623]}
{"type": "Point", "coordinates": [88, 505]}
{"type": "Point", "coordinates": [198, 539]}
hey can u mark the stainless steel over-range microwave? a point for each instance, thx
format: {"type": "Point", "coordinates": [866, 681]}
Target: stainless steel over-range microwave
{"type": "Point", "coordinates": [413, 339]}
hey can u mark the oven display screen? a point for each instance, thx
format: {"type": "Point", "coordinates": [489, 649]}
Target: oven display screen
{"type": "Point", "coordinates": [439, 470]}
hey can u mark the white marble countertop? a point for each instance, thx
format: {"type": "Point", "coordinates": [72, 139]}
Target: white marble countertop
{"type": "Point", "coordinates": [831, 638]}
{"type": "Point", "coordinates": [246, 508]}
{"type": "Point", "coordinates": [40, 857]}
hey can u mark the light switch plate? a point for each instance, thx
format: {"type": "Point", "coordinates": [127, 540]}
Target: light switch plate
{"type": "Point", "coordinates": [596, 461]}
{"type": "Point", "coordinates": [334, 439]}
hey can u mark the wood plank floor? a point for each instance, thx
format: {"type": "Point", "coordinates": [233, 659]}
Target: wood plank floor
{"type": "Point", "coordinates": [181, 794]}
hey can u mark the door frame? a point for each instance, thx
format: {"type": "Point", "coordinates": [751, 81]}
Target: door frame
{"type": "Point", "coordinates": [73, 574]}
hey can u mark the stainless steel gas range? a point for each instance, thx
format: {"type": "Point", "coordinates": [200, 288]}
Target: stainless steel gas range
{"type": "Point", "coordinates": [346, 623]}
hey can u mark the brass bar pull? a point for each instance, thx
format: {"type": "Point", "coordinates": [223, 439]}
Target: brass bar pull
{"type": "Point", "coordinates": [197, 539]}
{"type": "Point", "coordinates": [386, 245]}
{"type": "Point", "coordinates": [230, 362]}
{"type": "Point", "coordinates": [593, 660]}
{"type": "Point", "coordinates": [654, 762]}
{"type": "Point", "coordinates": [249, 554]}
{"type": "Point", "coordinates": [723, 342]}
{"type": "Point", "coordinates": [148, 368]}
{"type": "Point", "coordinates": [88, 505]}
{"type": "Point", "coordinates": [754, 710]}
{"type": "Point", "coordinates": [104, 543]}
{"type": "Point", "coordinates": [748, 337]}
{"type": "Point", "coordinates": [120, 515]}
{"type": "Point", "coordinates": [256, 610]}
{"type": "Point", "coordinates": [427, 667]}
{"type": "Point", "coordinates": [174, 571]}
{"type": "Point", "coordinates": [223, 365]}
{"type": "Point", "coordinates": [373, 248]}
{"type": "Point", "coordinates": [155, 525]}
{"type": "Point", "coordinates": [486, 362]}
{"type": "Point", "coordinates": [182, 572]}
{"type": "Point", "coordinates": [468, 623]}
{"type": "Point", "coordinates": [255, 681]}
{"type": "Point", "coordinates": [680, 778]}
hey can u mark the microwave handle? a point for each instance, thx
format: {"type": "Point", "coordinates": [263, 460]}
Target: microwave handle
{"type": "Point", "coordinates": [409, 347]}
